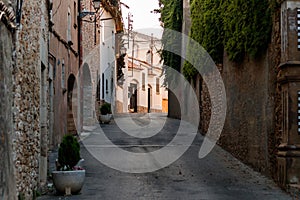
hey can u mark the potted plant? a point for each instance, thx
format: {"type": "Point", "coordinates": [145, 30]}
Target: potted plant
{"type": "Point", "coordinates": [69, 176]}
{"type": "Point", "coordinates": [105, 113]}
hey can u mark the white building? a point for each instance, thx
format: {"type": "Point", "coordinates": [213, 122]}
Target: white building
{"type": "Point", "coordinates": [142, 90]}
{"type": "Point", "coordinates": [107, 56]}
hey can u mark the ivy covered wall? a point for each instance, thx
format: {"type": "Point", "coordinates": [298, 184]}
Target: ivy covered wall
{"type": "Point", "coordinates": [244, 38]}
{"type": "Point", "coordinates": [237, 26]}
{"type": "Point", "coordinates": [171, 18]}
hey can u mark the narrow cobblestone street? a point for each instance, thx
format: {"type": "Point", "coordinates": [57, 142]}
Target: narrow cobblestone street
{"type": "Point", "coordinates": [218, 176]}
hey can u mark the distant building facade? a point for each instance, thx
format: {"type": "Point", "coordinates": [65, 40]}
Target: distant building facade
{"type": "Point", "coordinates": [142, 89]}
{"type": "Point", "coordinates": [111, 25]}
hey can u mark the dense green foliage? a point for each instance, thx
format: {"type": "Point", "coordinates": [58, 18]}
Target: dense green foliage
{"type": "Point", "coordinates": [105, 109]}
{"type": "Point", "coordinates": [207, 29]}
{"type": "Point", "coordinates": [247, 27]}
{"type": "Point", "coordinates": [171, 17]}
{"type": "Point", "coordinates": [120, 59]}
{"type": "Point", "coordinates": [237, 26]}
{"type": "Point", "coordinates": [68, 152]}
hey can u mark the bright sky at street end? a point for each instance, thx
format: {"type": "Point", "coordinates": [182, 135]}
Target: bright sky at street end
{"type": "Point", "coordinates": [143, 20]}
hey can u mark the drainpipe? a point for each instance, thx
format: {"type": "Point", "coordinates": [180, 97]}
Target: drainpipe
{"type": "Point", "coordinates": [79, 67]}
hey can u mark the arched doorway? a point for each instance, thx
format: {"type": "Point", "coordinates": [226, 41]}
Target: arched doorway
{"type": "Point", "coordinates": [72, 105]}
{"type": "Point", "coordinates": [87, 96]}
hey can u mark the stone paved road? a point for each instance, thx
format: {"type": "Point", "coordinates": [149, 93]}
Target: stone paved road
{"type": "Point", "coordinates": [217, 176]}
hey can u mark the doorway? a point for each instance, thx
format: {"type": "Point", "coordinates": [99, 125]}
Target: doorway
{"type": "Point", "coordinates": [149, 98]}
{"type": "Point", "coordinates": [71, 101]}
{"type": "Point", "coordinates": [133, 97]}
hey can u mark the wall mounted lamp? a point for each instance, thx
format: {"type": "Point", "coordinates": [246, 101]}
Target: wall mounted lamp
{"type": "Point", "coordinates": [96, 5]}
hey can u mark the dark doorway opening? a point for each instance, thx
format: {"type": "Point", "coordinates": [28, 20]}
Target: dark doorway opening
{"type": "Point", "coordinates": [72, 105]}
{"type": "Point", "coordinates": [133, 97]}
{"type": "Point", "coordinates": [149, 98]}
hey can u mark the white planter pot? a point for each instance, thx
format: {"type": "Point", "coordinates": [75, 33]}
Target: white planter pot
{"type": "Point", "coordinates": [105, 118]}
{"type": "Point", "coordinates": [68, 182]}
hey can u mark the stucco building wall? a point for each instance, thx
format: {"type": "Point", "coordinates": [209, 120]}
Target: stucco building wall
{"type": "Point", "coordinates": [64, 53]}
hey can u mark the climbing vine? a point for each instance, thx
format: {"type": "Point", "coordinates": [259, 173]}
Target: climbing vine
{"type": "Point", "coordinates": [247, 28]}
{"type": "Point", "coordinates": [207, 30]}
{"type": "Point", "coordinates": [237, 26]}
{"type": "Point", "coordinates": [171, 18]}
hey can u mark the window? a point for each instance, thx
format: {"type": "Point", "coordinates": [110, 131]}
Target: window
{"type": "Point", "coordinates": [113, 39]}
{"type": "Point", "coordinates": [111, 85]}
{"type": "Point", "coordinates": [98, 91]}
{"type": "Point", "coordinates": [106, 86]}
{"type": "Point", "coordinates": [69, 25]}
{"type": "Point", "coordinates": [102, 86]}
{"type": "Point", "coordinates": [63, 73]}
{"type": "Point", "coordinates": [157, 85]}
{"type": "Point", "coordinates": [143, 81]}
{"type": "Point", "coordinates": [75, 15]}
{"type": "Point", "coordinates": [148, 56]}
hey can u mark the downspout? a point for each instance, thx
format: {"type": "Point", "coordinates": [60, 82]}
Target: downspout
{"type": "Point", "coordinates": [80, 117]}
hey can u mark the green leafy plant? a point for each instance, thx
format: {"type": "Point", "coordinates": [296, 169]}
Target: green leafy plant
{"type": "Point", "coordinates": [68, 152]}
{"type": "Point", "coordinates": [240, 28]}
{"type": "Point", "coordinates": [171, 17]}
{"type": "Point", "coordinates": [105, 109]}
{"type": "Point", "coordinates": [247, 27]}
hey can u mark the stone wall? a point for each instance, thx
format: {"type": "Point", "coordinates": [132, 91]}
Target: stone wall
{"type": "Point", "coordinates": [88, 29]}
{"type": "Point", "coordinates": [275, 135]}
{"type": "Point", "coordinates": [253, 122]}
{"type": "Point", "coordinates": [31, 49]}
{"type": "Point", "coordinates": [250, 110]}
{"type": "Point", "coordinates": [91, 59]}
{"type": "Point", "coordinates": [7, 180]}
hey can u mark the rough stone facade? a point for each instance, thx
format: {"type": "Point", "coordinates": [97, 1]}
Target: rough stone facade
{"type": "Point", "coordinates": [275, 136]}
{"type": "Point", "coordinates": [288, 160]}
{"type": "Point", "coordinates": [29, 147]}
{"type": "Point", "coordinates": [7, 180]}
